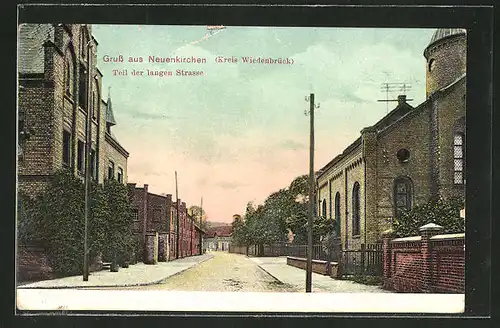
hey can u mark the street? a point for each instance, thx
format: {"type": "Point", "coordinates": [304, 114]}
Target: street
{"type": "Point", "coordinates": [225, 272]}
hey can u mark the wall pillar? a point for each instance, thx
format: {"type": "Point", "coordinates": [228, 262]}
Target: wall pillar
{"type": "Point", "coordinates": [427, 231]}
{"type": "Point", "coordinates": [387, 257]}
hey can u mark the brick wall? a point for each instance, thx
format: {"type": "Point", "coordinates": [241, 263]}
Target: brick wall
{"type": "Point", "coordinates": [427, 263]}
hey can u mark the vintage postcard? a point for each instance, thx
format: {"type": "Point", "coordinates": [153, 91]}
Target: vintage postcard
{"type": "Point", "coordinates": [241, 168]}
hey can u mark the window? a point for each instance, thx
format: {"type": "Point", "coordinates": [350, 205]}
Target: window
{"type": "Point", "coordinates": [432, 64]}
{"type": "Point", "coordinates": [81, 156]}
{"type": "Point", "coordinates": [355, 210]}
{"type": "Point", "coordinates": [402, 196]}
{"type": "Point", "coordinates": [68, 76]}
{"type": "Point", "coordinates": [66, 147]}
{"type": "Point", "coordinates": [403, 155]}
{"type": "Point", "coordinates": [337, 213]}
{"type": "Point", "coordinates": [93, 167]}
{"type": "Point", "coordinates": [135, 214]}
{"type": "Point", "coordinates": [120, 175]}
{"type": "Point", "coordinates": [83, 44]}
{"type": "Point", "coordinates": [323, 208]}
{"type": "Point", "coordinates": [458, 158]}
{"type": "Point", "coordinates": [111, 170]}
{"type": "Point", "coordinates": [82, 95]}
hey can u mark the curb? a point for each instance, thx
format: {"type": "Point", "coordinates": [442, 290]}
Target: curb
{"type": "Point", "coordinates": [270, 274]}
{"type": "Point", "coordinates": [122, 285]}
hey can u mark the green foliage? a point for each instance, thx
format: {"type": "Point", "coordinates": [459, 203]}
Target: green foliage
{"type": "Point", "coordinates": [445, 213]}
{"type": "Point", "coordinates": [56, 220]}
{"type": "Point", "coordinates": [118, 228]}
{"type": "Point", "coordinates": [286, 209]}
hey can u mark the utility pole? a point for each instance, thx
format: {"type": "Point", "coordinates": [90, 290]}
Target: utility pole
{"type": "Point", "coordinates": [311, 193]}
{"type": "Point", "coordinates": [177, 219]}
{"type": "Point", "coordinates": [87, 162]}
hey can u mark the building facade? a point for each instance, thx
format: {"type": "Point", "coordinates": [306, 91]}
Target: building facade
{"type": "Point", "coordinates": [218, 238]}
{"type": "Point", "coordinates": [411, 155]}
{"type": "Point", "coordinates": [59, 94]}
{"type": "Point", "coordinates": [158, 213]}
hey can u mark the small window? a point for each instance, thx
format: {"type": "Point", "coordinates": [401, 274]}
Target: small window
{"type": "Point", "coordinates": [403, 155]}
{"type": "Point", "coordinates": [66, 148]}
{"type": "Point", "coordinates": [111, 170]}
{"type": "Point", "coordinates": [323, 208]}
{"type": "Point", "coordinates": [81, 156]}
{"type": "Point", "coordinates": [432, 64]}
{"type": "Point", "coordinates": [120, 175]}
{"type": "Point", "coordinates": [135, 214]}
{"type": "Point", "coordinates": [458, 159]}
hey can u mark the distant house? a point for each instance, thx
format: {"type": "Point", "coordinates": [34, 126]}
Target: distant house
{"type": "Point", "coordinates": [218, 238]}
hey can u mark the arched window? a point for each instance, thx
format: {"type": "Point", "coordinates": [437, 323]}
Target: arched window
{"type": "Point", "coordinates": [355, 210]}
{"type": "Point", "coordinates": [432, 63]}
{"type": "Point", "coordinates": [323, 208]}
{"type": "Point", "coordinates": [95, 101]}
{"type": "Point", "coordinates": [337, 213]}
{"type": "Point", "coordinates": [68, 76]}
{"type": "Point", "coordinates": [402, 195]}
{"type": "Point", "coordinates": [83, 43]}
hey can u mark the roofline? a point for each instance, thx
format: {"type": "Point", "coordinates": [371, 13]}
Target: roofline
{"type": "Point", "coordinates": [116, 144]}
{"type": "Point", "coordinates": [348, 150]}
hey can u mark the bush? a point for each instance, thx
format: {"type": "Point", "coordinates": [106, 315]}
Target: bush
{"type": "Point", "coordinates": [445, 213]}
{"type": "Point", "coordinates": [56, 221]}
{"type": "Point", "coordinates": [119, 236]}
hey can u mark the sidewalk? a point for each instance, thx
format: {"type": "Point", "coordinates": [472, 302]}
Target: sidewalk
{"type": "Point", "coordinates": [277, 267]}
{"type": "Point", "coordinates": [139, 274]}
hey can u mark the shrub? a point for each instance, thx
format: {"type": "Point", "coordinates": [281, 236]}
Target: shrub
{"type": "Point", "coordinates": [119, 235]}
{"type": "Point", "coordinates": [445, 213]}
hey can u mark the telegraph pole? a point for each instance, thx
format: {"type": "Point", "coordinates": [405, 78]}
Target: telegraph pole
{"type": "Point", "coordinates": [311, 193]}
{"type": "Point", "coordinates": [177, 219]}
{"type": "Point", "coordinates": [87, 162]}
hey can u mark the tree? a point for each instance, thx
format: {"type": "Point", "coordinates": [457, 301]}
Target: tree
{"type": "Point", "coordinates": [196, 212]}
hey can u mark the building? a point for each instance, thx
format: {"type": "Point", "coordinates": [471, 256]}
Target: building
{"type": "Point", "coordinates": [218, 238]}
{"type": "Point", "coordinates": [189, 231]}
{"type": "Point", "coordinates": [60, 90]}
{"type": "Point", "coordinates": [411, 155]}
{"type": "Point", "coordinates": [158, 214]}
{"type": "Point", "coordinates": [152, 213]}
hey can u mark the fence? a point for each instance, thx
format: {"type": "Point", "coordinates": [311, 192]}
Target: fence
{"type": "Point", "coordinates": [319, 252]}
{"type": "Point", "coordinates": [366, 261]}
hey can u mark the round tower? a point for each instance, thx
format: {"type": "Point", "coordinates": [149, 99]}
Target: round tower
{"type": "Point", "coordinates": [446, 58]}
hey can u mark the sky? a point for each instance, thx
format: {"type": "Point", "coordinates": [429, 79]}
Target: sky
{"type": "Point", "coordinates": [238, 132]}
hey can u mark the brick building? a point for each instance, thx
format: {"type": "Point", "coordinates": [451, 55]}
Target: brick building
{"type": "Point", "coordinates": [59, 87]}
{"type": "Point", "coordinates": [409, 156]}
{"type": "Point", "coordinates": [158, 213]}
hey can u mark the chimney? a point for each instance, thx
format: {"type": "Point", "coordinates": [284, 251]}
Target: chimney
{"type": "Point", "coordinates": [401, 99]}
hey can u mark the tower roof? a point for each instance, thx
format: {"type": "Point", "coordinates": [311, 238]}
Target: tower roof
{"type": "Point", "coordinates": [442, 33]}
{"type": "Point", "coordinates": [110, 117]}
